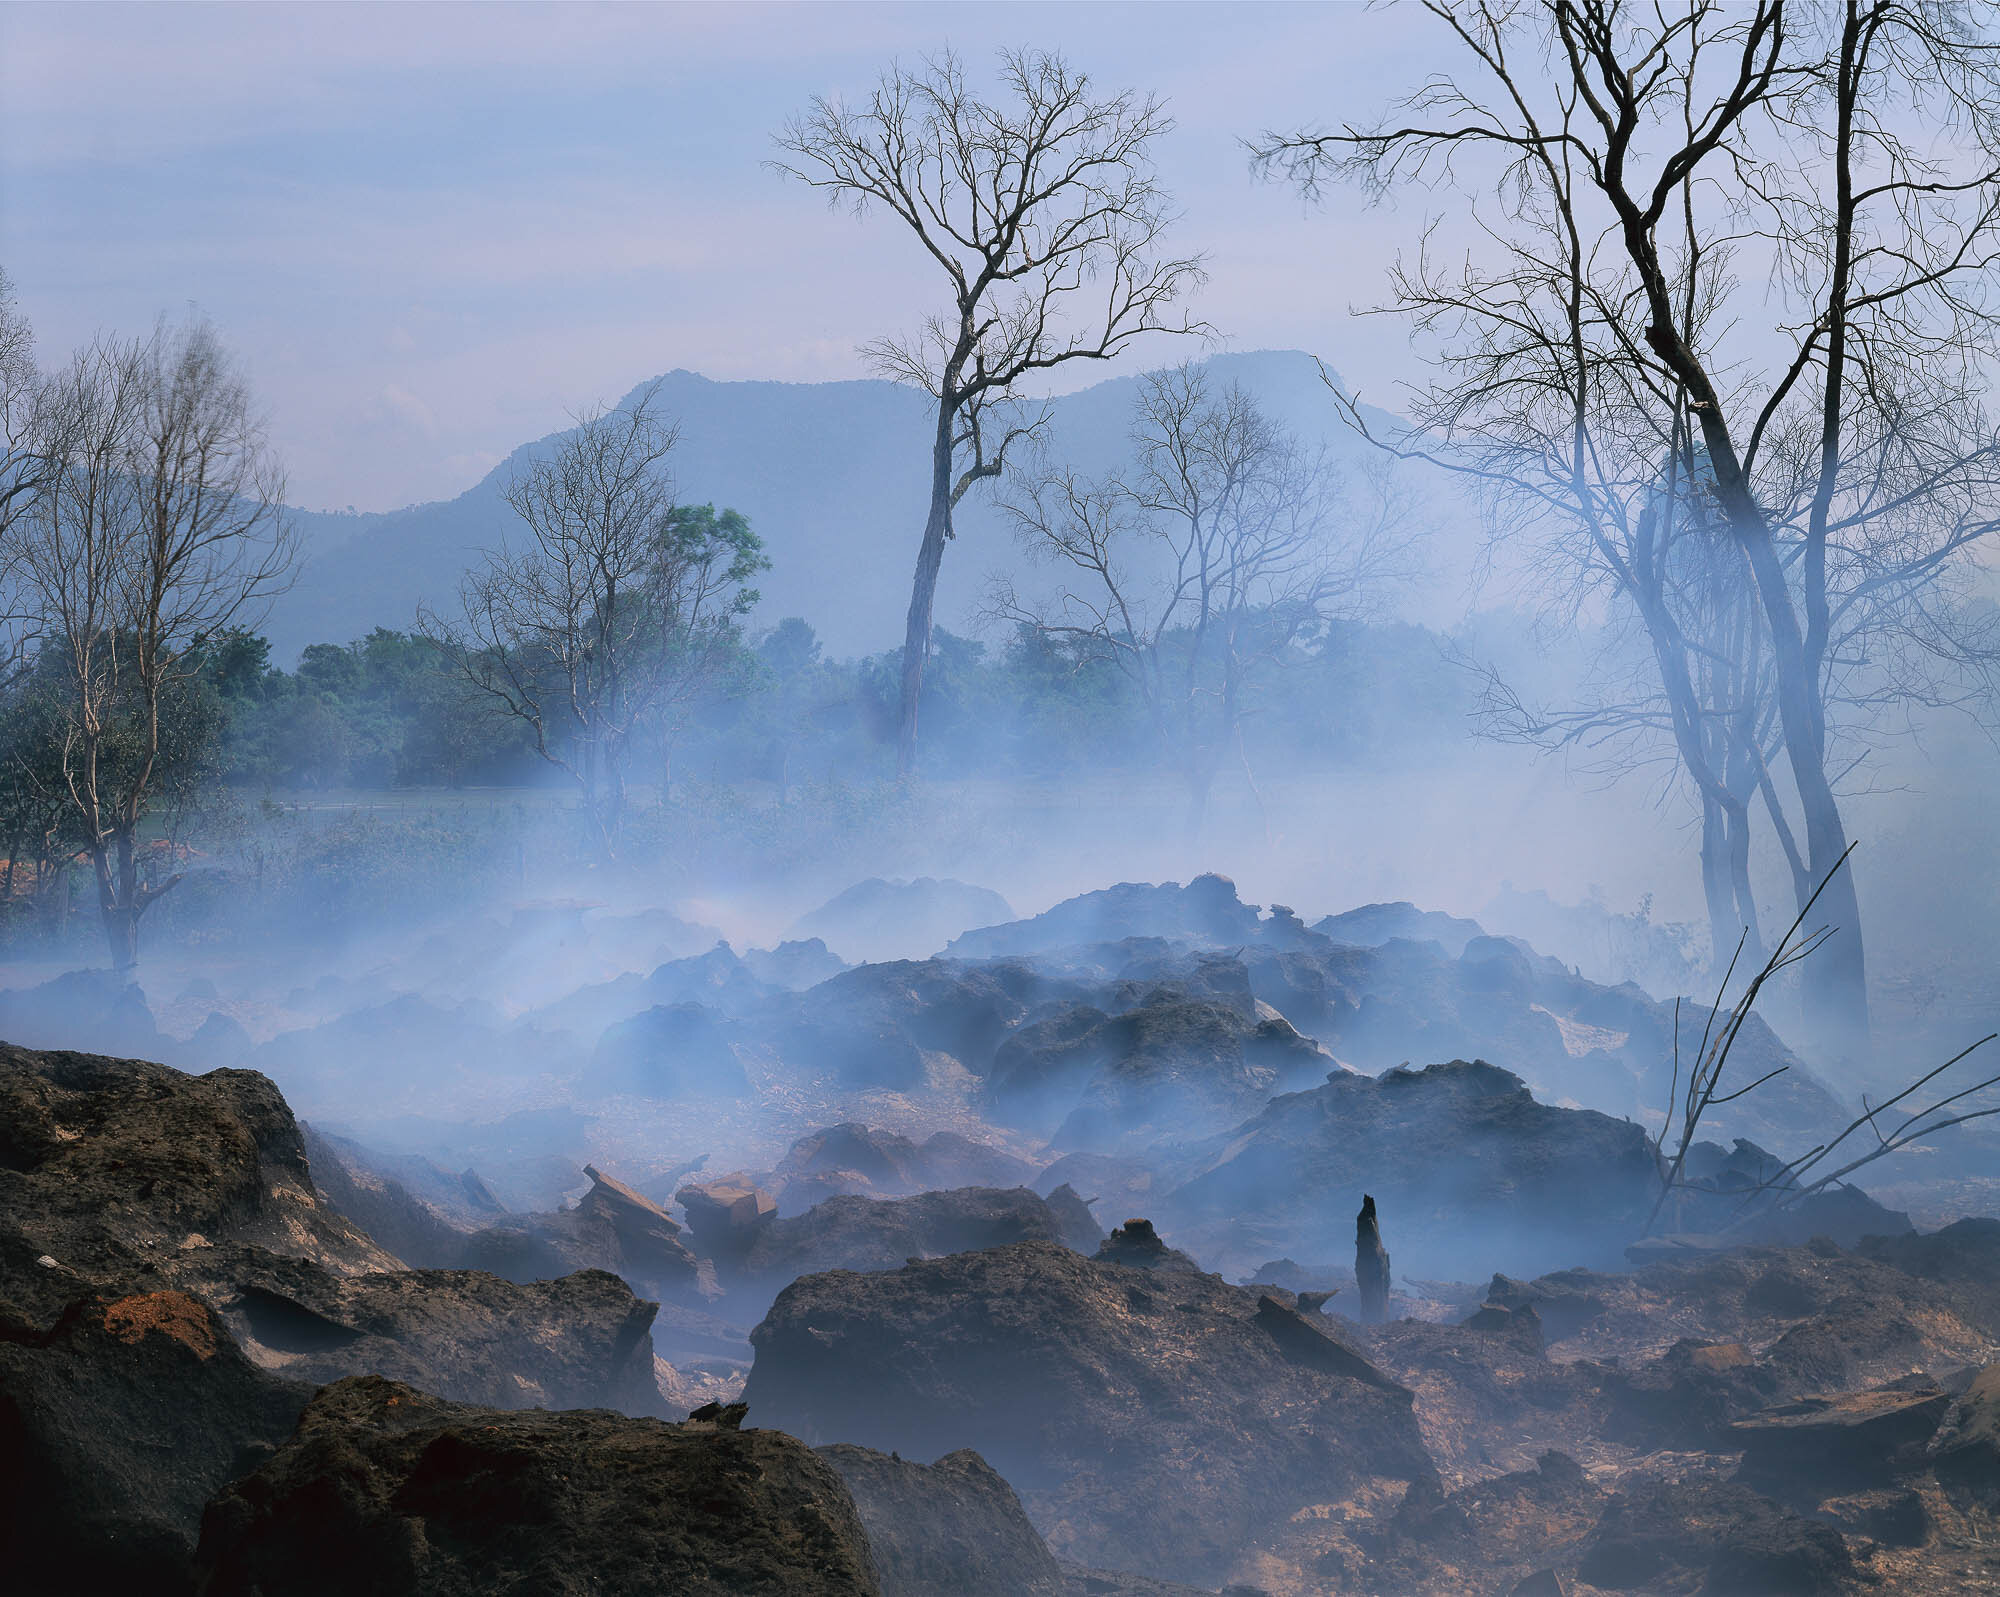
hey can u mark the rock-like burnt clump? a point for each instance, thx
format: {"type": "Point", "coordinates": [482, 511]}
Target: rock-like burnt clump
{"type": "Point", "coordinates": [1159, 1421]}
{"type": "Point", "coordinates": [385, 1489]}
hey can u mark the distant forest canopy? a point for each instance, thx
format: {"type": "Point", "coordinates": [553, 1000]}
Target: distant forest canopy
{"type": "Point", "coordinates": [783, 766]}
{"type": "Point", "coordinates": [384, 712]}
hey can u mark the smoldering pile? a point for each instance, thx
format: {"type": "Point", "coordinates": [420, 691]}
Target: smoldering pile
{"type": "Point", "coordinates": [239, 1355]}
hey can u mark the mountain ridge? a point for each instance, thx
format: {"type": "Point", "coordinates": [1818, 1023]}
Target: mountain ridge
{"type": "Point", "coordinates": [832, 475]}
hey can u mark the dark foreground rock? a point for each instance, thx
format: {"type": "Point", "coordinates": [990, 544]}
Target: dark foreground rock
{"type": "Point", "coordinates": [1858, 1438]}
{"type": "Point", "coordinates": [583, 1341]}
{"type": "Point", "coordinates": [108, 1165]}
{"type": "Point", "coordinates": [386, 1490]}
{"type": "Point", "coordinates": [1491, 1535]}
{"type": "Point", "coordinates": [117, 1424]}
{"type": "Point", "coordinates": [1967, 1446]}
{"type": "Point", "coordinates": [1153, 1421]}
{"type": "Point", "coordinates": [171, 1289]}
{"type": "Point", "coordinates": [120, 1178]}
{"type": "Point", "coordinates": [954, 1526]}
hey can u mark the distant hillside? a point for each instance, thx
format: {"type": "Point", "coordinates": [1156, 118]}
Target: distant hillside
{"type": "Point", "coordinates": [832, 475]}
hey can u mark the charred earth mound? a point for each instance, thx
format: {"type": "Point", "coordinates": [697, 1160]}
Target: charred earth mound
{"type": "Point", "coordinates": [1156, 1421]}
{"type": "Point", "coordinates": [386, 1490]}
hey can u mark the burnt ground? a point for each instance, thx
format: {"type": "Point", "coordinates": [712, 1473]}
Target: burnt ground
{"type": "Point", "coordinates": [1020, 1421]}
{"type": "Point", "coordinates": [872, 1202]}
{"type": "Point", "coordinates": [1763, 1419]}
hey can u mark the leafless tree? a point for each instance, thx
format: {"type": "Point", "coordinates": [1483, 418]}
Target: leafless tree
{"type": "Point", "coordinates": [20, 384]}
{"type": "Point", "coordinates": [1652, 180]}
{"type": "Point", "coordinates": [158, 524]}
{"type": "Point", "coordinates": [615, 608]}
{"type": "Point", "coordinates": [1224, 547]}
{"type": "Point", "coordinates": [1041, 210]}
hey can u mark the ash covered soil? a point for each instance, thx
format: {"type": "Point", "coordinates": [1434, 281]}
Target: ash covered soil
{"type": "Point", "coordinates": [768, 1273]}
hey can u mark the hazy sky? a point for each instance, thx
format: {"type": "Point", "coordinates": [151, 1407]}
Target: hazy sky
{"type": "Point", "coordinates": [431, 230]}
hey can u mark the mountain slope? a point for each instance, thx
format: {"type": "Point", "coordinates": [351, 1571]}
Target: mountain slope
{"type": "Point", "coordinates": [833, 475]}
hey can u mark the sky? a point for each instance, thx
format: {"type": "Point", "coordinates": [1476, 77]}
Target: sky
{"type": "Point", "coordinates": [431, 232]}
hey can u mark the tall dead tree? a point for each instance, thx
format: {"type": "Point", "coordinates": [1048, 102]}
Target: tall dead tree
{"type": "Point", "coordinates": [1040, 209]}
{"type": "Point", "coordinates": [1371, 1264]}
{"type": "Point", "coordinates": [1651, 180]}
{"type": "Point", "coordinates": [158, 525]}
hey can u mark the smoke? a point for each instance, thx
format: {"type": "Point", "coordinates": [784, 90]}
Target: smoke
{"type": "Point", "coordinates": [454, 978]}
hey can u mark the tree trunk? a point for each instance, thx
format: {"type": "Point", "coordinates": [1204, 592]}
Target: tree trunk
{"type": "Point", "coordinates": [62, 887]}
{"type": "Point", "coordinates": [1739, 881]}
{"type": "Point", "coordinates": [614, 806]}
{"type": "Point", "coordinates": [923, 592]}
{"type": "Point", "coordinates": [117, 898]}
{"type": "Point", "coordinates": [1835, 979]}
{"type": "Point", "coordinates": [121, 931]}
{"type": "Point", "coordinates": [1716, 888]}
{"type": "Point", "coordinates": [1740, 780]}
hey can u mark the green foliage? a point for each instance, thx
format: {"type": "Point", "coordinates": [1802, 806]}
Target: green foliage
{"type": "Point", "coordinates": [695, 536]}
{"type": "Point", "coordinates": [238, 663]}
{"type": "Point", "coordinates": [42, 829]}
{"type": "Point", "coordinates": [380, 712]}
{"type": "Point", "coordinates": [1039, 706]}
{"type": "Point", "coordinates": [40, 825]}
{"type": "Point", "coordinates": [785, 764]}
{"type": "Point", "coordinates": [386, 712]}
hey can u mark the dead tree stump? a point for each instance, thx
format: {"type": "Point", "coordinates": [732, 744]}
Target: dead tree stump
{"type": "Point", "coordinates": [1371, 1265]}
